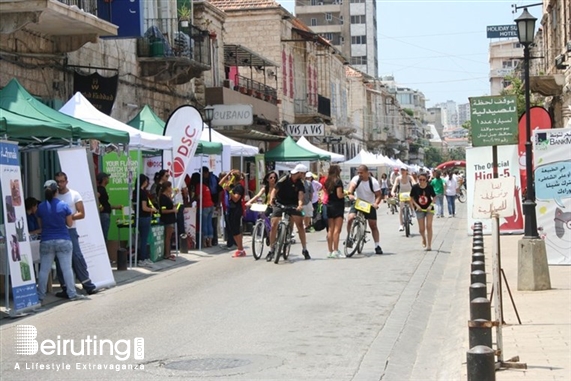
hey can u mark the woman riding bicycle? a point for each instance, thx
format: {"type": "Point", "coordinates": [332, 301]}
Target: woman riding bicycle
{"type": "Point", "coordinates": [403, 183]}
{"type": "Point", "coordinates": [422, 195]}
{"type": "Point", "coordinates": [268, 184]}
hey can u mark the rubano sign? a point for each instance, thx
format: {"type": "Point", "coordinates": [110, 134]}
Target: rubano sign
{"type": "Point", "coordinates": [233, 115]}
{"type": "Point", "coordinates": [305, 129]}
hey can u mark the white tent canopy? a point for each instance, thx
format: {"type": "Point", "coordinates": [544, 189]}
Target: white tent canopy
{"type": "Point", "coordinates": [363, 157]}
{"type": "Point", "coordinates": [79, 107]}
{"type": "Point", "coordinates": [236, 148]}
{"type": "Point", "coordinates": [335, 157]}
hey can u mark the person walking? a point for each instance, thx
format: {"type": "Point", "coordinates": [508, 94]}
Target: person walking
{"type": "Point", "coordinates": [335, 210]}
{"type": "Point", "coordinates": [145, 211]}
{"type": "Point", "coordinates": [307, 203]}
{"type": "Point", "coordinates": [54, 218]}
{"type": "Point", "coordinates": [211, 181]}
{"type": "Point", "coordinates": [168, 216]}
{"type": "Point", "coordinates": [438, 185]}
{"type": "Point", "coordinates": [235, 192]}
{"type": "Point", "coordinates": [202, 191]}
{"type": "Point", "coordinates": [74, 201]}
{"type": "Point", "coordinates": [384, 187]}
{"type": "Point", "coordinates": [451, 191]}
{"type": "Point", "coordinates": [105, 207]}
{"type": "Point", "coordinates": [422, 195]}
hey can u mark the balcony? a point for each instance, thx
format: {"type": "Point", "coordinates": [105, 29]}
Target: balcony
{"type": "Point", "coordinates": [255, 89]}
{"type": "Point", "coordinates": [172, 54]}
{"type": "Point", "coordinates": [69, 24]}
{"type": "Point", "coordinates": [307, 112]}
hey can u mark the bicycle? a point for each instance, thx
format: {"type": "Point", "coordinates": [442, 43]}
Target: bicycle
{"type": "Point", "coordinates": [461, 194]}
{"type": "Point", "coordinates": [406, 212]}
{"type": "Point", "coordinates": [393, 204]}
{"type": "Point", "coordinates": [261, 231]}
{"type": "Point", "coordinates": [285, 228]}
{"type": "Point", "coordinates": [358, 234]}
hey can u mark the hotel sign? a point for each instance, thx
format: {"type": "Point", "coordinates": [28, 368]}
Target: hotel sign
{"type": "Point", "coordinates": [501, 31]}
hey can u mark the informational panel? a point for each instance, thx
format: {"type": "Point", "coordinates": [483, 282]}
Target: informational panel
{"type": "Point", "coordinates": [73, 162]}
{"type": "Point", "coordinates": [552, 157]}
{"type": "Point", "coordinates": [157, 242]}
{"type": "Point", "coordinates": [493, 196]}
{"type": "Point", "coordinates": [494, 121]}
{"type": "Point", "coordinates": [18, 249]}
{"type": "Point", "coordinates": [479, 166]}
{"type": "Point", "coordinates": [260, 171]}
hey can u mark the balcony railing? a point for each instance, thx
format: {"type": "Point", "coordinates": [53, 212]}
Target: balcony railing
{"type": "Point", "coordinates": [302, 107]}
{"type": "Point", "coordinates": [89, 6]}
{"type": "Point", "coordinates": [256, 89]}
{"type": "Point", "coordinates": [164, 38]}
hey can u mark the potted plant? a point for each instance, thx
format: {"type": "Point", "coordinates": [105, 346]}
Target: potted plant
{"type": "Point", "coordinates": [184, 15]}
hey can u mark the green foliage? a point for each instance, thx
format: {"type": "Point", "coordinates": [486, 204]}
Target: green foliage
{"type": "Point", "coordinates": [517, 88]}
{"type": "Point", "coordinates": [458, 153]}
{"type": "Point", "coordinates": [432, 157]}
{"type": "Point", "coordinates": [408, 111]}
{"type": "Point", "coordinates": [468, 126]}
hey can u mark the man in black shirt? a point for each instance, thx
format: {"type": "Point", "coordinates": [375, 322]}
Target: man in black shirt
{"type": "Point", "coordinates": [289, 191]}
{"type": "Point", "coordinates": [104, 206]}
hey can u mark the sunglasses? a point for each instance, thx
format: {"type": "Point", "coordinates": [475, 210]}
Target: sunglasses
{"type": "Point", "coordinates": [272, 178]}
{"type": "Point", "coordinates": [422, 180]}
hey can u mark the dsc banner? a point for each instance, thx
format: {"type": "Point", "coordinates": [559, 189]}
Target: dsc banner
{"type": "Point", "coordinates": [18, 250]}
{"type": "Point", "coordinates": [552, 175]}
{"type": "Point", "coordinates": [479, 166]}
{"type": "Point", "coordinates": [73, 162]}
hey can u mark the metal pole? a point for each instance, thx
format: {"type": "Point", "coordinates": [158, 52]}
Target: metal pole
{"type": "Point", "coordinates": [210, 131]}
{"type": "Point", "coordinates": [530, 230]}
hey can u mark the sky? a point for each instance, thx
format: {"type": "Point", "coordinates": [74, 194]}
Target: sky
{"type": "Point", "coordinates": [439, 47]}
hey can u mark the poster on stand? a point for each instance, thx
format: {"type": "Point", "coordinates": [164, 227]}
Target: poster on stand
{"type": "Point", "coordinates": [552, 175]}
{"type": "Point", "coordinates": [73, 162]}
{"type": "Point", "coordinates": [18, 249]}
{"type": "Point", "coordinates": [479, 166]}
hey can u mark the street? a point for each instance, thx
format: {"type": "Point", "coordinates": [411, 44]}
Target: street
{"type": "Point", "coordinates": [397, 316]}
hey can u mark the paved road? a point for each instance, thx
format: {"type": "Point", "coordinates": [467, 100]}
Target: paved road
{"type": "Point", "coordinates": [397, 316]}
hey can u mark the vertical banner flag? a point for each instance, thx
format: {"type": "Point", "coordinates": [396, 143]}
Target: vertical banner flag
{"type": "Point", "coordinates": [552, 175]}
{"type": "Point", "coordinates": [185, 127]}
{"type": "Point", "coordinates": [18, 249]}
{"type": "Point", "coordinates": [479, 166]}
{"type": "Point", "coordinates": [73, 162]}
{"type": "Point", "coordinates": [260, 170]}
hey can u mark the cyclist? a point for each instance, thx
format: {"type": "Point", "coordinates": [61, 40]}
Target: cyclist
{"type": "Point", "coordinates": [289, 191]}
{"type": "Point", "coordinates": [422, 196]}
{"type": "Point", "coordinates": [403, 184]}
{"type": "Point", "coordinates": [268, 184]}
{"type": "Point", "coordinates": [367, 188]}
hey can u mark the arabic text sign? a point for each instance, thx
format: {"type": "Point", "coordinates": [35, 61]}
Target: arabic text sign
{"type": "Point", "coordinates": [494, 121]}
{"type": "Point", "coordinates": [493, 196]}
{"type": "Point", "coordinates": [553, 181]}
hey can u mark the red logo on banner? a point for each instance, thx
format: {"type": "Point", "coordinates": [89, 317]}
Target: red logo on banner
{"type": "Point", "coordinates": [539, 119]}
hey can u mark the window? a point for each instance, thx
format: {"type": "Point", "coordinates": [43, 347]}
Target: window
{"type": "Point", "coordinates": [357, 1]}
{"type": "Point", "coordinates": [516, 45]}
{"type": "Point", "coordinates": [358, 40]}
{"type": "Point", "coordinates": [328, 36]}
{"type": "Point", "coordinates": [313, 22]}
{"type": "Point", "coordinates": [341, 20]}
{"type": "Point", "coordinates": [359, 60]}
{"type": "Point", "coordinates": [359, 19]}
{"type": "Point", "coordinates": [328, 16]}
{"type": "Point", "coordinates": [507, 64]}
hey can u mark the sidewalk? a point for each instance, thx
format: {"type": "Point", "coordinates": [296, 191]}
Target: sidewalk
{"type": "Point", "coordinates": [543, 339]}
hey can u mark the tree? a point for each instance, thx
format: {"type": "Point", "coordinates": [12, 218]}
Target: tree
{"type": "Point", "coordinates": [432, 157]}
{"type": "Point", "coordinates": [468, 126]}
{"type": "Point", "coordinates": [517, 88]}
{"type": "Point", "coordinates": [458, 153]}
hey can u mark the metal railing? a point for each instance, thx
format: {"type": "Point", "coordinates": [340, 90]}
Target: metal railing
{"type": "Point", "coordinates": [256, 89]}
{"type": "Point", "coordinates": [89, 6]}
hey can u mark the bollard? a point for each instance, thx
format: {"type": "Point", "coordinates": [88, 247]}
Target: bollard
{"type": "Point", "coordinates": [478, 290]}
{"type": "Point", "coordinates": [478, 249]}
{"type": "Point", "coordinates": [478, 265]}
{"type": "Point", "coordinates": [478, 257]}
{"type": "Point", "coordinates": [480, 309]}
{"type": "Point", "coordinates": [478, 276]}
{"type": "Point", "coordinates": [121, 259]}
{"type": "Point", "coordinates": [479, 333]}
{"type": "Point", "coordinates": [480, 364]}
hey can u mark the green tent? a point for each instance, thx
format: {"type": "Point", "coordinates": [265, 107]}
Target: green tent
{"type": "Point", "coordinates": [288, 150]}
{"type": "Point", "coordinates": [146, 120]}
{"type": "Point", "coordinates": [16, 99]}
{"type": "Point", "coordinates": [30, 130]}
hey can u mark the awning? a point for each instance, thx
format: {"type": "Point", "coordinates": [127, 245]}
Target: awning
{"type": "Point", "coordinates": [252, 134]}
{"type": "Point", "coordinates": [238, 55]}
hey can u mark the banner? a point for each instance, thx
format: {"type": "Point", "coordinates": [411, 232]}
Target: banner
{"type": "Point", "coordinates": [494, 120]}
{"type": "Point", "coordinates": [100, 91]}
{"type": "Point", "coordinates": [552, 175]}
{"type": "Point", "coordinates": [18, 249]}
{"type": "Point", "coordinates": [260, 170]}
{"type": "Point", "coordinates": [479, 166]}
{"type": "Point", "coordinates": [73, 162]}
{"type": "Point", "coordinates": [185, 127]}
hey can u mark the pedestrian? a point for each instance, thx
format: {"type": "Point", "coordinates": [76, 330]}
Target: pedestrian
{"type": "Point", "coordinates": [74, 201]}
{"type": "Point", "coordinates": [384, 186]}
{"type": "Point", "coordinates": [307, 203]}
{"type": "Point", "coordinates": [168, 216]}
{"type": "Point", "coordinates": [31, 205]}
{"type": "Point", "coordinates": [235, 192]}
{"type": "Point", "coordinates": [224, 178]}
{"type": "Point", "coordinates": [422, 195]}
{"type": "Point", "coordinates": [317, 187]}
{"type": "Point", "coordinates": [202, 192]}
{"type": "Point", "coordinates": [159, 178]}
{"type": "Point", "coordinates": [451, 191]}
{"type": "Point", "coordinates": [55, 217]}
{"type": "Point", "coordinates": [145, 210]}
{"type": "Point", "coordinates": [211, 181]}
{"type": "Point", "coordinates": [105, 207]}
{"type": "Point", "coordinates": [335, 210]}
{"type": "Point", "coordinates": [438, 185]}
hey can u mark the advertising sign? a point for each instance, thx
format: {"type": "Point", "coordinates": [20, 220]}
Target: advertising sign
{"type": "Point", "coordinates": [552, 176]}
{"type": "Point", "coordinates": [232, 115]}
{"type": "Point", "coordinates": [494, 121]}
{"type": "Point", "coordinates": [18, 249]}
{"type": "Point", "coordinates": [98, 90]}
{"type": "Point", "coordinates": [305, 129]}
{"type": "Point", "coordinates": [501, 31]}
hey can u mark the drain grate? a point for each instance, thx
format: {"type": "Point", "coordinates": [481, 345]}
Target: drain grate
{"type": "Point", "coordinates": [207, 364]}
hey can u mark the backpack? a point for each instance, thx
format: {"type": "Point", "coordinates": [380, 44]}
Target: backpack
{"type": "Point", "coordinates": [308, 194]}
{"type": "Point", "coordinates": [370, 184]}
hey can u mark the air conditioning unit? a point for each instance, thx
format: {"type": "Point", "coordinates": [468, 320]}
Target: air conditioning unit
{"type": "Point", "coordinates": [320, 3]}
{"type": "Point", "coordinates": [559, 62]}
{"type": "Point", "coordinates": [328, 17]}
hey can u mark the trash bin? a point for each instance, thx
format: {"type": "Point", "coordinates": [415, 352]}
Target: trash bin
{"type": "Point", "coordinates": [121, 259]}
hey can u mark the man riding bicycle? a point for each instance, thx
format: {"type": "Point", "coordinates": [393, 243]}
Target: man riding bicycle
{"type": "Point", "coordinates": [403, 184]}
{"type": "Point", "coordinates": [289, 191]}
{"type": "Point", "coordinates": [368, 189]}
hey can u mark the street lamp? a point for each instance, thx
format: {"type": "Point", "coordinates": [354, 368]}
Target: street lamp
{"type": "Point", "coordinates": [526, 32]}
{"type": "Point", "coordinates": [208, 116]}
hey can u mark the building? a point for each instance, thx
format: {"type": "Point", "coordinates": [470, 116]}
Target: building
{"type": "Point", "coordinates": [463, 113]}
{"type": "Point", "coordinates": [504, 57]}
{"type": "Point", "coordinates": [350, 25]}
{"type": "Point", "coordinates": [449, 112]}
{"type": "Point", "coordinates": [434, 117]}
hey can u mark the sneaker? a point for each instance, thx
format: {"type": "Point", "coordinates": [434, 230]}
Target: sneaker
{"type": "Point", "coordinates": [183, 236]}
{"type": "Point", "coordinates": [312, 229]}
{"type": "Point", "coordinates": [148, 262]}
{"type": "Point", "coordinates": [78, 297]}
{"type": "Point", "coordinates": [378, 250]}
{"type": "Point", "coordinates": [333, 254]}
{"type": "Point", "coordinates": [401, 228]}
{"type": "Point", "coordinates": [92, 291]}
{"type": "Point", "coordinates": [141, 264]}
{"type": "Point", "coordinates": [340, 254]}
{"type": "Point", "coordinates": [239, 253]}
{"type": "Point", "coordinates": [305, 254]}
{"type": "Point", "coordinates": [62, 294]}
{"type": "Point", "coordinates": [349, 242]}
{"type": "Point", "coordinates": [270, 256]}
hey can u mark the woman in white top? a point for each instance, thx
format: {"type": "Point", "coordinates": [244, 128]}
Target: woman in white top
{"type": "Point", "coordinates": [402, 184]}
{"type": "Point", "coordinates": [450, 192]}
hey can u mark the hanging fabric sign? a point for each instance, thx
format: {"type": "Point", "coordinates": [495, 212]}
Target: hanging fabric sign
{"type": "Point", "coordinates": [100, 91]}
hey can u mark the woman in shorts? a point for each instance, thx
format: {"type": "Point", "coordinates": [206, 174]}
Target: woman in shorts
{"type": "Point", "coordinates": [335, 209]}
{"type": "Point", "coordinates": [422, 196]}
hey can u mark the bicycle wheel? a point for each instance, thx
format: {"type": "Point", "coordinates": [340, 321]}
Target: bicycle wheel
{"type": "Point", "coordinates": [406, 221]}
{"type": "Point", "coordinates": [362, 236]}
{"type": "Point", "coordinates": [280, 243]}
{"type": "Point", "coordinates": [258, 240]}
{"type": "Point", "coordinates": [287, 245]}
{"type": "Point", "coordinates": [354, 236]}
{"type": "Point", "coordinates": [462, 195]}
{"type": "Point", "coordinates": [393, 208]}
